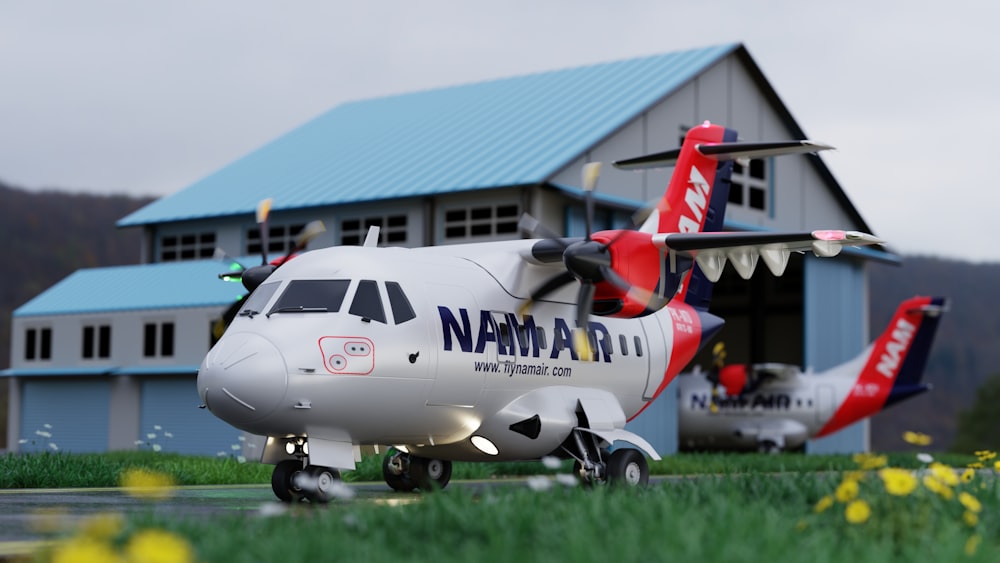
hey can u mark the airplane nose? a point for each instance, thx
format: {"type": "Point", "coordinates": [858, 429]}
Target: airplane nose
{"type": "Point", "coordinates": [243, 378]}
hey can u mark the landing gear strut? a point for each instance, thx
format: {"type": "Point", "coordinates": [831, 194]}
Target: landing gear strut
{"type": "Point", "coordinates": [405, 472]}
{"type": "Point", "coordinates": [595, 465]}
{"type": "Point", "coordinates": [292, 481]}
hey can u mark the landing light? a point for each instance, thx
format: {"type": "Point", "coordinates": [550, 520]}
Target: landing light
{"type": "Point", "coordinates": [290, 448]}
{"type": "Point", "coordinates": [484, 445]}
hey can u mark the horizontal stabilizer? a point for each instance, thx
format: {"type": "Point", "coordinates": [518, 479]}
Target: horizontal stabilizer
{"type": "Point", "coordinates": [722, 151]}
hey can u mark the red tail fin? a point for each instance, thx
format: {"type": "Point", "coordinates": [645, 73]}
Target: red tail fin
{"type": "Point", "coordinates": [894, 364]}
{"type": "Point", "coordinates": [684, 206]}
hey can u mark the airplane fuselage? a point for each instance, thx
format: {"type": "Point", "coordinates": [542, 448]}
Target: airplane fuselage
{"type": "Point", "coordinates": [425, 347]}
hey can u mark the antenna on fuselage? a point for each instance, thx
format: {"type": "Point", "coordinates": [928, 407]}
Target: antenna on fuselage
{"type": "Point", "coordinates": [371, 239]}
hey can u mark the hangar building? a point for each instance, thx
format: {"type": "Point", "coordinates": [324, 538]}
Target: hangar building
{"type": "Point", "coordinates": [107, 357]}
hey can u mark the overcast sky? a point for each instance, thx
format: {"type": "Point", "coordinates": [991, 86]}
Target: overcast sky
{"type": "Point", "coordinates": [146, 97]}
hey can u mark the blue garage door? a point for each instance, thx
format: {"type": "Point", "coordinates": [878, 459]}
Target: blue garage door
{"type": "Point", "coordinates": [170, 418]}
{"type": "Point", "coordinates": [836, 307]}
{"type": "Point", "coordinates": [71, 414]}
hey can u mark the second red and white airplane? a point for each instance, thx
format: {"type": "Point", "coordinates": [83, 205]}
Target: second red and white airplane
{"type": "Point", "coordinates": [772, 407]}
{"type": "Point", "coordinates": [511, 350]}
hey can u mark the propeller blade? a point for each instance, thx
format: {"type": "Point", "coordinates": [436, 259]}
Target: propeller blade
{"type": "Point", "coordinates": [584, 302]}
{"type": "Point", "coordinates": [550, 285]}
{"type": "Point", "coordinates": [263, 212]}
{"type": "Point", "coordinates": [235, 268]}
{"type": "Point", "coordinates": [312, 230]}
{"type": "Point", "coordinates": [535, 228]}
{"type": "Point", "coordinates": [591, 171]}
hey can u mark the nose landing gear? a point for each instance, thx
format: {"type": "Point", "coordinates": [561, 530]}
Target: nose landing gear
{"type": "Point", "coordinates": [293, 481]}
{"type": "Point", "coordinates": [405, 472]}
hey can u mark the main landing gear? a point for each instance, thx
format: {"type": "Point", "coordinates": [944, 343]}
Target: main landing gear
{"type": "Point", "coordinates": [293, 481]}
{"type": "Point", "coordinates": [405, 472]}
{"type": "Point", "coordinates": [595, 465]}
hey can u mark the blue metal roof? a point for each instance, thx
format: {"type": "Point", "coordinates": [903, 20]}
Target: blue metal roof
{"type": "Point", "coordinates": [167, 285]}
{"type": "Point", "coordinates": [507, 132]}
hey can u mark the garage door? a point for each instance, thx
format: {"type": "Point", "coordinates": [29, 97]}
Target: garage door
{"type": "Point", "coordinates": [170, 405]}
{"type": "Point", "coordinates": [72, 414]}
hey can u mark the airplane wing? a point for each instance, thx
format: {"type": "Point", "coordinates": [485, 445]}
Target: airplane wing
{"type": "Point", "coordinates": [712, 250]}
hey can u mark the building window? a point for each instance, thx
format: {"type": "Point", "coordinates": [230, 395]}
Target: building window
{"type": "Point", "coordinates": [749, 184]}
{"type": "Point", "coordinates": [158, 340]}
{"type": "Point", "coordinates": [280, 239]}
{"type": "Point", "coordinates": [392, 229]}
{"type": "Point", "coordinates": [96, 342]}
{"type": "Point", "coordinates": [191, 246]}
{"type": "Point", "coordinates": [481, 222]}
{"type": "Point", "coordinates": [38, 344]}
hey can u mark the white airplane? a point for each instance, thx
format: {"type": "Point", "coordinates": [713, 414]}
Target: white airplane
{"type": "Point", "coordinates": [772, 407]}
{"type": "Point", "coordinates": [511, 350]}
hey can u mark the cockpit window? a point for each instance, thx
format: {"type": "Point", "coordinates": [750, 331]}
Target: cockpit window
{"type": "Point", "coordinates": [402, 311]}
{"type": "Point", "coordinates": [258, 299]}
{"type": "Point", "coordinates": [367, 302]}
{"type": "Point", "coordinates": [312, 296]}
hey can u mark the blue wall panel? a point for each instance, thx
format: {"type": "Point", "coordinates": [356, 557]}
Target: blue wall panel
{"type": "Point", "coordinates": [171, 403]}
{"type": "Point", "coordinates": [74, 412]}
{"type": "Point", "coordinates": [836, 322]}
{"type": "Point", "coordinates": [658, 423]}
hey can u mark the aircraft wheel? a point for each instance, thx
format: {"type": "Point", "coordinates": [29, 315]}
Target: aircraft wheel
{"type": "Point", "coordinates": [395, 467]}
{"type": "Point", "coordinates": [322, 482]}
{"type": "Point", "coordinates": [769, 447]}
{"type": "Point", "coordinates": [628, 467]}
{"type": "Point", "coordinates": [283, 480]}
{"type": "Point", "coordinates": [429, 474]}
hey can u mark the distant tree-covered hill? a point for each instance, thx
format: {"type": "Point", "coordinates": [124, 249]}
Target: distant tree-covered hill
{"type": "Point", "coordinates": [51, 234]}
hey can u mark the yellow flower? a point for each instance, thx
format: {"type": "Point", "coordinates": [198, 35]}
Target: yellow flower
{"type": "Point", "coordinates": [916, 438]}
{"type": "Point", "coordinates": [103, 526]}
{"type": "Point", "coordinates": [898, 482]}
{"type": "Point", "coordinates": [158, 546]}
{"type": "Point", "coordinates": [846, 491]}
{"type": "Point", "coordinates": [970, 502]}
{"type": "Point", "coordinates": [84, 549]}
{"type": "Point", "coordinates": [972, 544]}
{"type": "Point", "coordinates": [857, 512]}
{"type": "Point", "coordinates": [944, 474]}
{"type": "Point", "coordinates": [996, 465]}
{"type": "Point", "coordinates": [970, 518]}
{"type": "Point", "coordinates": [146, 484]}
{"type": "Point", "coordinates": [985, 455]}
{"type": "Point", "coordinates": [870, 461]}
{"type": "Point", "coordinates": [823, 504]}
{"type": "Point", "coordinates": [935, 486]}
{"type": "Point", "coordinates": [976, 465]}
{"type": "Point", "coordinates": [968, 475]}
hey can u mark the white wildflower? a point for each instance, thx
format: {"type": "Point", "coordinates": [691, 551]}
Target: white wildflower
{"type": "Point", "coordinates": [924, 458]}
{"type": "Point", "coordinates": [54, 447]}
{"type": "Point", "coordinates": [567, 480]}
{"type": "Point", "coordinates": [539, 483]}
{"type": "Point", "coordinates": [151, 436]}
{"type": "Point", "coordinates": [241, 459]}
{"type": "Point", "coordinates": [157, 427]}
{"type": "Point", "coordinates": [43, 433]}
{"type": "Point", "coordinates": [551, 462]}
{"type": "Point", "coordinates": [157, 447]}
{"type": "Point", "coordinates": [168, 434]}
{"type": "Point", "coordinates": [269, 509]}
{"type": "Point", "coordinates": [235, 447]}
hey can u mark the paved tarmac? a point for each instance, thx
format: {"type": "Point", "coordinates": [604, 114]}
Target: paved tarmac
{"type": "Point", "coordinates": [28, 516]}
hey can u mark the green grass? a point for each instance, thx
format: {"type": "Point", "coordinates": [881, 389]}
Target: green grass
{"type": "Point", "coordinates": [726, 518]}
{"type": "Point", "coordinates": [733, 508]}
{"type": "Point", "coordinates": [56, 469]}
